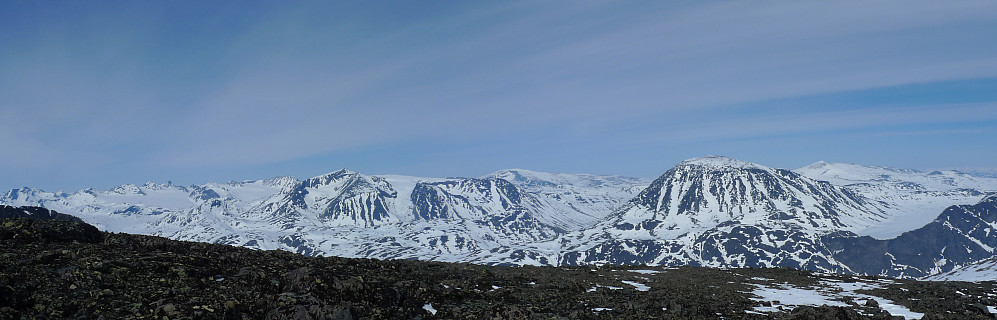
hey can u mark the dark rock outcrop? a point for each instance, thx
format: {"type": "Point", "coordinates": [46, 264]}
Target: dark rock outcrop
{"type": "Point", "coordinates": [35, 213]}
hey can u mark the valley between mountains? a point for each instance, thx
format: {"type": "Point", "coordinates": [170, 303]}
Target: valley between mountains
{"type": "Point", "coordinates": [710, 211]}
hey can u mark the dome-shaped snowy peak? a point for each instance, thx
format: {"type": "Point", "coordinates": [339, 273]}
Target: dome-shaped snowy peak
{"type": "Point", "coordinates": [720, 162]}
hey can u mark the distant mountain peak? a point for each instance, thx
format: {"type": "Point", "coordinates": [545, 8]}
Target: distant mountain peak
{"type": "Point", "coordinates": [331, 177]}
{"type": "Point", "coordinates": [128, 189]}
{"type": "Point", "coordinates": [537, 179]}
{"type": "Point", "coordinates": [706, 192]}
{"type": "Point", "coordinates": [991, 198]}
{"type": "Point", "coordinates": [340, 172]}
{"type": "Point", "coordinates": [818, 165]}
{"type": "Point", "coordinates": [721, 162]}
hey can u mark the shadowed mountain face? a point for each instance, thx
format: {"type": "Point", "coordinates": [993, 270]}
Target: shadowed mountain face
{"type": "Point", "coordinates": [710, 211]}
{"type": "Point", "coordinates": [44, 226]}
{"type": "Point", "coordinates": [48, 273]}
{"type": "Point", "coordinates": [34, 213]}
{"type": "Point", "coordinates": [464, 199]}
{"type": "Point", "coordinates": [349, 197]}
{"type": "Point", "coordinates": [959, 236]}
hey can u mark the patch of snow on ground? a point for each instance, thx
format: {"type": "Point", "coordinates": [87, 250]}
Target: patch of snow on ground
{"type": "Point", "coordinates": [829, 293]}
{"type": "Point", "coordinates": [645, 271]}
{"type": "Point", "coordinates": [791, 296]}
{"type": "Point", "coordinates": [429, 307]}
{"type": "Point", "coordinates": [596, 287]}
{"type": "Point", "coordinates": [637, 285]}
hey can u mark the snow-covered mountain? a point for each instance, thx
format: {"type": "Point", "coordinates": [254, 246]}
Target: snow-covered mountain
{"type": "Point", "coordinates": [961, 235]}
{"type": "Point", "coordinates": [709, 211]}
{"type": "Point", "coordinates": [573, 201]}
{"type": "Point", "coordinates": [347, 213]}
{"type": "Point", "coordinates": [702, 193]}
{"type": "Point", "coordinates": [717, 211]}
{"type": "Point", "coordinates": [843, 174]}
{"type": "Point", "coordinates": [909, 198]}
{"type": "Point", "coordinates": [721, 212]}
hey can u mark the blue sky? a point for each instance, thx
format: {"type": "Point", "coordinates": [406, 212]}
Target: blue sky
{"type": "Point", "coordinates": [102, 94]}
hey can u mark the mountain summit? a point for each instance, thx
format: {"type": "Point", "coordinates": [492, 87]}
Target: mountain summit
{"type": "Point", "coordinates": [720, 162]}
{"type": "Point", "coordinates": [702, 193]}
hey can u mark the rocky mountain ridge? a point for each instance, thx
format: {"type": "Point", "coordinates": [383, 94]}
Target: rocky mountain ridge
{"type": "Point", "coordinates": [710, 211]}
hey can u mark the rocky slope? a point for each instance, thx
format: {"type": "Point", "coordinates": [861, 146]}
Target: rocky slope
{"type": "Point", "coordinates": [60, 269]}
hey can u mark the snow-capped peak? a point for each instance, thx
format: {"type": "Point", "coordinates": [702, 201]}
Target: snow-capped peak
{"type": "Point", "coordinates": [333, 176]}
{"type": "Point", "coordinates": [279, 182]}
{"type": "Point", "coordinates": [721, 162]}
{"type": "Point", "coordinates": [705, 192]}
{"type": "Point", "coordinates": [818, 165]}
{"type": "Point", "coordinates": [127, 189]}
{"type": "Point", "coordinates": [522, 176]}
{"type": "Point", "coordinates": [157, 186]}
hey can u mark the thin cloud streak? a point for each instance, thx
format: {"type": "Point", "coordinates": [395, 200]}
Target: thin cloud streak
{"type": "Point", "coordinates": [285, 84]}
{"type": "Point", "coordinates": [760, 126]}
{"type": "Point", "coordinates": [750, 53]}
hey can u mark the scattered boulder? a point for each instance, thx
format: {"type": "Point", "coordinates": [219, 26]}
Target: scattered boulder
{"type": "Point", "coordinates": [978, 308]}
{"type": "Point", "coordinates": [872, 303]}
{"type": "Point", "coordinates": [824, 312]}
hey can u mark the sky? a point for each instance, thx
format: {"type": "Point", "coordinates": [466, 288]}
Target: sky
{"type": "Point", "coordinates": [98, 94]}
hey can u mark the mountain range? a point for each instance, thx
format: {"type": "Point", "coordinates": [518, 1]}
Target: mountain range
{"type": "Point", "coordinates": [710, 211]}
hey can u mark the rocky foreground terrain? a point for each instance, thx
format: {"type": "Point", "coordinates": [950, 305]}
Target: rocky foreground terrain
{"type": "Point", "coordinates": [56, 269]}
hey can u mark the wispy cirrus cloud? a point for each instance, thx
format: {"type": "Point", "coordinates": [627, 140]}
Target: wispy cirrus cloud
{"type": "Point", "coordinates": [264, 84]}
